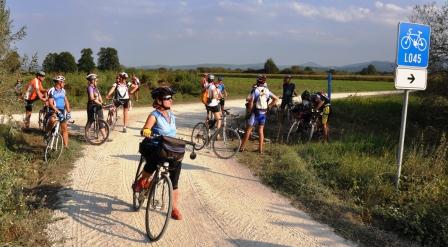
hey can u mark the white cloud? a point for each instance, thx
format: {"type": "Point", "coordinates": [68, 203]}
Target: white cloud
{"type": "Point", "coordinates": [346, 15]}
{"type": "Point", "coordinates": [101, 37]}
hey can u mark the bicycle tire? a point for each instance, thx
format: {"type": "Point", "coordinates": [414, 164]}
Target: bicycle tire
{"type": "Point", "coordinates": [138, 198]}
{"type": "Point", "coordinates": [161, 185]}
{"type": "Point", "coordinates": [311, 132]}
{"type": "Point", "coordinates": [94, 132]}
{"type": "Point", "coordinates": [293, 136]}
{"type": "Point", "coordinates": [226, 142]}
{"type": "Point", "coordinates": [406, 42]}
{"type": "Point", "coordinates": [112, 118]}
{"type": "Point", "coordinates": [54, 148]}
{"type": "Point", "coordinates": [41, 120]}
{"type": "Point", "coordinates": [199, 135]}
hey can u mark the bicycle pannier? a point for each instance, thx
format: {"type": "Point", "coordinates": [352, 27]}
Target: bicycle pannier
{"type": "Point", "coordinates": [172, 148]}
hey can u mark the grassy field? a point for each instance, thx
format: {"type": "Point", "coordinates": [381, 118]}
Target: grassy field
{"type": "Point", "coordinates": [28, 186]}
{"type": "Point", "coordinates": [348, 183]}
{"type": "Point", "coordinates": [187, 84]}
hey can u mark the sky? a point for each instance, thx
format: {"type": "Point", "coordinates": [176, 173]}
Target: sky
{"type": "Point", "coordinates": [185, 32]}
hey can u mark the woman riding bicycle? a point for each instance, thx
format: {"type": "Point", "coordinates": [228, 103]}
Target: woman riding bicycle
{"type": "Point", "coordinates": [60, 107]}
{"type": "Point", "coordinates": [161, 122]}
{"type": "Point", "coordinates": [94, 104]}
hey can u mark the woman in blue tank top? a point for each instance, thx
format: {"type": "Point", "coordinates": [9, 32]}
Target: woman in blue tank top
{"type": "Point", "coordinates": [161, 122]}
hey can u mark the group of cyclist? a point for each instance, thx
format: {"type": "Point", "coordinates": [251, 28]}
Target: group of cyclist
{"type": "Point", "coordinates": [161, 121]}
{"type": "Point", "coordinates": [58, 107]}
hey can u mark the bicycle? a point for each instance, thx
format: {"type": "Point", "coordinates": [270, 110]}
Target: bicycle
{"type": "Point", "coordinates": [306, 125]}
{"type": "Point", "coordinates": [240, 128]}
{"type": "Point", "coordinates": [43, 117]}
{"type": "Point", "coordinates": [225, 141]}
{"type": "Point", "coordinates": [418, 42]}
{"type": "Point", "coordinates": [93, 131]}
{"type": "Point", "coordinates": [160, 190]}
{"type": "Point", "coordinates": [55, 144]}
{"type": "Point", "coordinates": [112, 115]}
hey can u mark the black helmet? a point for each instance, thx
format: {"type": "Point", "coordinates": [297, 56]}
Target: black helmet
{"type": "Point", "coordinates": [162, 91]}
{"type": "Point", "coordinates": [306, 95]}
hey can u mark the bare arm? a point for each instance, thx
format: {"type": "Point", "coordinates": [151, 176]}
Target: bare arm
{"type": "Point", "coordinates": [52, 105]}
{"type": "Point", "coordinates": [274, 101]}
{"type": "Point", "coordinates": [111, 91]}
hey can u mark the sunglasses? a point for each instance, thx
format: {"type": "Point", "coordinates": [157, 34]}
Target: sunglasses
{"type": "Point", "coordinates": [169, 97]}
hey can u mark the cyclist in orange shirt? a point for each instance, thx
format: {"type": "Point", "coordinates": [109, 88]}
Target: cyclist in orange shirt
{"type": "Point", "coordinates": [34, 91]}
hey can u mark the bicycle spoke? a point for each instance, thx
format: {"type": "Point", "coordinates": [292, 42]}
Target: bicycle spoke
{"type": "Point", "coordinates": [226, 143]}
{"type": "Point", "coordinates": [158, 209]}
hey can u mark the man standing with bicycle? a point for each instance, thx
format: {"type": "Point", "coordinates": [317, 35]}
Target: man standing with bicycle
{"type": "Point", "coordinates": [257, 106]}
{"type": "Point", "coordinates": [34, 91]}
{"type": "Point", "coordinates": [289, 90]}
{"type": "Point", "coordinates": [60, 107]}
{"type": "Point", "coordinates": [321, 103]}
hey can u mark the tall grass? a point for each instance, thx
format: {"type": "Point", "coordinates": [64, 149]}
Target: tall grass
{"type": "Point", "coordinates": [28, 186]}
{"type": "Point", "coordinates": [349, 182]}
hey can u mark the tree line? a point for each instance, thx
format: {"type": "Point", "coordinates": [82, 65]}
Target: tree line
{"type": "Point", "coordinates": [65, 61]}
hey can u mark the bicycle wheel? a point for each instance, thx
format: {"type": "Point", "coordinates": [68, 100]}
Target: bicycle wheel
{"type": "Point", "coordinates": [112, 119]}
{"type": "Point", "coordinates": [94, 135]}
{"type": "Point", "coordinates": [311, 132]}
{"type": "Point", "coordinates": [294, 133]}
{"type": "Point", "coordinates": [406, 42]}
{"type": "Point", "coordinates": [54, 148]}
{"type": "Point", "coordinates": [138, 198]}
{"type": "Point", "coordinates": [226, 143]}
{"type": "Point", "coordinates": [159, 206]}
{"type": "Point", "coordinates": [41, 120]}
{"type": "Point", "coordinates": [199, 135]}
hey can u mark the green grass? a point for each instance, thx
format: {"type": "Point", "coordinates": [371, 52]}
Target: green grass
{"type": "Point", "coordinates": [349, 182]}
{"type": "Point", "coordinates": [28, 186]}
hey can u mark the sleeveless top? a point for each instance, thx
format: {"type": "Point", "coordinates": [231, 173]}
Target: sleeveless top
{"type": "Point", "coordinates": [162, 126]}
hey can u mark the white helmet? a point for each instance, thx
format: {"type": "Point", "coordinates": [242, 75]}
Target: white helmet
{"type": "Point", "coordinates": [91, 77]}
{"type": "Point", "coordinates": [123, 75]}
{"type": "Point", "coordinates": [211, 77]}
{"type": "Point", "coordinates": [59, 78]}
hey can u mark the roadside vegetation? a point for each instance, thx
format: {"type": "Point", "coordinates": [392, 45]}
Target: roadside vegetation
{"type": "Point", "coordinates": [29, 186]}
{"type": "Point", "coordinates": [349, 182]}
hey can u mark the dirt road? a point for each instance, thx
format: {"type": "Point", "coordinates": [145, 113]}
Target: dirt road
{"type": "Point", "coordinates": [223, 204]}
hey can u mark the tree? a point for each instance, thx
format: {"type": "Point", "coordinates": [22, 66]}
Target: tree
{"type": "Point", "coordinates": [369, 70]}
{"type": "Point", "coordinates": [85, 62]}
{"type": "Point", "coordinates": [270, 67]}
{"type": "Point", "coordinates": [295, 69]}
{"type": "Point", "coordinates": [8, 37]}
{"type": "Point", "coordinates": [108, 59]}
{"type": "Point", "coordinates": [65, 62]}
{"type": "Point", "coordinates": [49, 63]}
{"type": "Point", "coordinates": [437, 18]}
{"type": "Point", "coordinates": [13, 62]}
{"type": "Point", "coordinates": [308, 70]}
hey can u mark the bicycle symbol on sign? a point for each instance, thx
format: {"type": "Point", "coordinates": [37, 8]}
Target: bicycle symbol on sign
{"type": "Point", "coordinates": [418, 42]}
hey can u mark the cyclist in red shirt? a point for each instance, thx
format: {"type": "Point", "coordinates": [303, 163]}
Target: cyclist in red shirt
{"type": "Point", "coordinates": [34, 91]}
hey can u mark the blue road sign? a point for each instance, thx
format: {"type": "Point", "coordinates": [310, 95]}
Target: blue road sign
{"type": "Point", "coordinates": [413, 45]}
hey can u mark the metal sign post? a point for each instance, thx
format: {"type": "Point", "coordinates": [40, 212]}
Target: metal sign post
{"type": "Point", "coordinates": [413, 43]}
{"type": "Point", "coordinates": [330, 79]}
{"type": "Point", "coordinates": [404, 114]}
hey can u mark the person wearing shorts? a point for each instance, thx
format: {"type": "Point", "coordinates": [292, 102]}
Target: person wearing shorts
{"type": "Point", "coordinates": [257, 117]}
{"type": "Point", "coordinates": [321, 103]}
{"type": "Point", "coordinates": [59, 107]}
{"type": "Point", "coordinates": [34, 92]}
{"type": "Point", "coordinates": [120, 89]}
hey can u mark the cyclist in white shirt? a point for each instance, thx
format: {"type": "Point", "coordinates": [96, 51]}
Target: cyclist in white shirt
{"type": "Point", "coordinates": [213, 106]}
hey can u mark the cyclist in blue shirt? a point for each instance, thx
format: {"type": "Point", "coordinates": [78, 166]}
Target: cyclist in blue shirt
{"type": "Point", "coordinates": [161, 122]}
{"type": "Point", "coordinates": [60, 107]}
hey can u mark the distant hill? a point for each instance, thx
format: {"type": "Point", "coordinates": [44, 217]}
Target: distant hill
{"type": "Point", "coordinates": [381, 66]}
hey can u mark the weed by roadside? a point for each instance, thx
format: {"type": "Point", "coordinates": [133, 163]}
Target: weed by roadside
{"type": "Point", "coordinates": [349, 182]}
{"type": "Point", "coordinates": [28, 186]}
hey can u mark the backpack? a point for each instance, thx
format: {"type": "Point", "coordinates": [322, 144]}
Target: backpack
{"type": "Point", "coordinates": [262, 101]}
{"type": "Point", "coordinates": [204, 97]}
